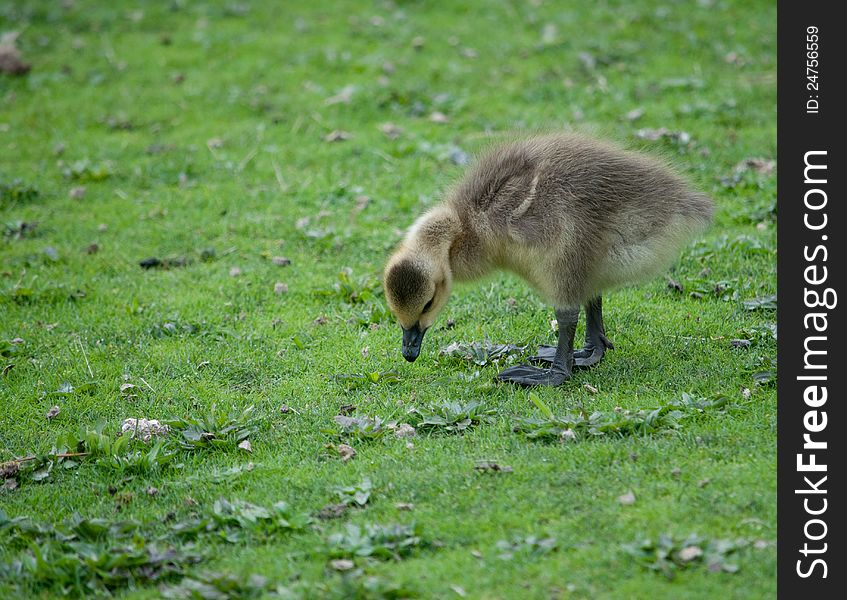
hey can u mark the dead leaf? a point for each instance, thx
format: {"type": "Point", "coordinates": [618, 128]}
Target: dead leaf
{"type": "Point", "coordinates": [92, 248]}
{"type": "Point", "coordinates": [418, 42]}
{"type": "Point", "coordinates": [280, 288]}
{"type": "Point", "coordinates": [590, 388]}
{"type": "Point", "coordinates": [404, 430]}
{"type": "Point", "coordinates": [460, 591]}
{"type": "Point", "coordinates": [53, 413]}
{"type": "Point", "coordinates": [627, 499]}
{"type": "Point", "coordinates": [152, 491]}
{"type": "Point", "coordinates": [366, 351]}
{"type": "Point", "coordinates": [404, 506]}
{"type": "Point", "coordinates": [635, 114]}
{"type": "Point", "coordinates": [439, 117]}
{"type": "Point", "coordinates": [345, 452]}
{"type": "Point", "coordinates": [77, 193]}
{"type": "Point", "coordinates": [333, 511]}
{"type": "Point", "coordinates": [281, 261]}
{"type": "Point", "coordinates": [391, 131]}
{"type": "Point", "coordinates": [338, 136]}
{"type": "Point", "coordinates": [763, 166]}
{"type": "Point", "coordinates": [145, 429]}
{"type": "Point", "coordinates": [246, 446]}
{"type": "Point", "coordinates": [704, 482]}
{"type": "Point", "coordinates": [11, 62]}
{"type": "Point", "coordinates": [476, 554]}
{"type": "Point", "coordinates": [681, 137]}
{"type": "Point", "coordinates": [9, 469]}
{"type": "Point", "coordinates": [235, 271]}
{"type": "Point", "coordinates": [342, 564]}
{"type": "Point", "coordinates": [203, 364]}
{"type": "Point", "coordinates": [362, 202]}
{"type": "Point", "coordinates": [213, 143]}
{"type": "Point", "coordinates": [675, 285]}
{"type": "Point", "coordinates": [344, 96]}
{"type": "Point", "coordinates": [689, 553]}
{"type": "Point", "coordinates": [492, 467]}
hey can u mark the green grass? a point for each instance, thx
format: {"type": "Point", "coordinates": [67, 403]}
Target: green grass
{"type": "Point", "coordinates": [200, 125]}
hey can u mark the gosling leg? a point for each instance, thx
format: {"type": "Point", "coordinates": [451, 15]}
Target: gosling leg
{"type": "Point", "coordinates": [596, 342]}
{"type": "Point", "coordinates": [562, 364]}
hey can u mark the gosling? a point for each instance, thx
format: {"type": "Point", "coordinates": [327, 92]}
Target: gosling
{"type": "Point", "coordinates": [573, 216]}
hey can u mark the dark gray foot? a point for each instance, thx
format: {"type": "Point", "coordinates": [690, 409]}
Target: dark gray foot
{"type": "Point", "coordinates": [596, 342]}
{"type": "Point", "coordinates": [531, 376]}
{"type": "Point", "coordinates": [560, 358]}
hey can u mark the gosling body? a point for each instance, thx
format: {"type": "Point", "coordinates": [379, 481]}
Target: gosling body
{"type": "Point", "coordinates": [573, 216]}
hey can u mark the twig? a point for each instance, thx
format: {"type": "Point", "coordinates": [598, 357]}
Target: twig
{"type": "Point", "coordinates": [147, 384]}
{"type": "Point", "coordinates": [278, 174]}
{"type": "Point", "coordinates": [244, 161]}
{"type": "Point", "coordinates": [61, 455]}
{"type": "Point", "coordinates": [90, 372]}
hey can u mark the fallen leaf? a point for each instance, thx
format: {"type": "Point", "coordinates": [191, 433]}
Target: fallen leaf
{"type": "Point", "coordinates": [342, 564]}
{"type": "Point", "coordinates": [338, 136]}
{"type": "Point", "coordinates": [635, 114]}
{"type": "Point", "coordinates": [404, 506]}
{"type": "Point", "coordinates": [333, 511]}
{"type": "Point", "coordinates": [404, 430]}
{"type": "Point", "coordinates": [704, 482]}
{"type": "Point", "coordinates": [92, 248]}
{"type": "Point", "coordinates": [763, 166]}
{"type": "Point", "coordinates": [460, 591]}
{"type": "Point", "coordinates": [77, 193]}
{"type": "Point", "coordinates": [11, 62]}
{"type": "Point", "coordinates": [280, 288]}
{"type": "Point", "coordinates": [152, 491]}
{"type": "Point", "coordinates": [438, 117]}
{"type": "Point", "coordinates": [492, 467]}
{"type": "Point", "coordinates": [740, 343]}
{"type": "Point", "coordinates": [146, 429]}
{"type": "Point", "coordinates": [689, 553]}
{"type": "Point", "coordinates": [53, 413]}
{"type": "Point", "coordinates": [675, 285]}
{"type": "Point", "coordinates": [235, 271]}
{"type": "Point", "coordinates": [346, 452]}
{"type": "Point", "coordinates": [344, 96]}
{"type": "Point", "coordinates": [590, 388]}
{"type": "Point", "coordinates": [281, 261]}
{"type": "Point", "coordinates": [391, 131]}
{"type": "Point", "coordinates": [627, 499]}
{"type": "Point", "coordinates": [681, 137]}
{"type": "Point", "coordinates": [418, 42]}
{"type": "Point", "coordinates": [246, 446]}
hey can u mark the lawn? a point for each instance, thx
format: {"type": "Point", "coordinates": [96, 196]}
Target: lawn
{"type": "Point", "coordinates": [269, 156]}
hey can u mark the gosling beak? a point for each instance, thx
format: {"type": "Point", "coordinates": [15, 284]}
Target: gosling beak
{"type": "Point", "coordinates": [412, 338]}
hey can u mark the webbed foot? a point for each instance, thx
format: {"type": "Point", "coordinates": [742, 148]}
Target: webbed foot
{"type": "Point", "coordinates": [532, 376]}
{"type": "Point", "coordinates": [584, 357]}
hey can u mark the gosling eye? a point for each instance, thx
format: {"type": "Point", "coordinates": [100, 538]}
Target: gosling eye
{"type": "Point", "coordinates": [428, 305]}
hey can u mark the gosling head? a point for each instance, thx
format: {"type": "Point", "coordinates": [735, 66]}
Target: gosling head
{"type": "Point", "coordinates": [416, 287]}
